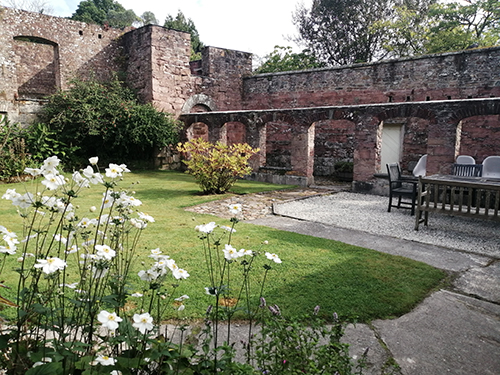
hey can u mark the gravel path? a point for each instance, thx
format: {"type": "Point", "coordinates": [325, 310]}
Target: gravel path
{"type": "Point", "coordinates": [369, 213]}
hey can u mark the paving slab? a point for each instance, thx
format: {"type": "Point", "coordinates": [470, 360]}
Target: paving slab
{"type": "Point", "coordinates": [446, 334]}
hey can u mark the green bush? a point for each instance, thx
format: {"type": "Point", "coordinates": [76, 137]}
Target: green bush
{"type": "Point", "coordinates": [13, 151]}
{"type": "Point", "coordinates": [106, 119]}
{"type": "Point", "coordinates": [216, 167]}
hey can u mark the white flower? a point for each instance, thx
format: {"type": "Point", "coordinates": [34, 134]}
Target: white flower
{"type": "Point", "coordinates": [137, 294]}
{"type": "Point", "coordinates": [139, 224]}
{"type": "Point", "coordinates": [107, 200]}
{"type": "Point", "coordinates": [244, 252]}
{"type": "Point", "coordinates": [115, 372]}
{"type": "Point", "coordinates": [49, 165]}
{"type": "Point", "coordinates": [99, 273]}
{"type": "Point", "coordinates": [206, 228]}
{"type": "Point", "coordinates": [105, 360]}
{"type": "Point", "coordinates": [94, 178]}
{"type": "Point", "coordinates": [181, 308]}
{"type": "Point", "coordinates": [179, 273]}
{"type": "Point", "coordinates": [23, 201]}
{"type": "Point", "coordinates": [72, 249]}
{"type": "Point", "coordinates": [230, 252]}
{"type": "Point", "coordinates": [50, 265]}
{"type": "Point", "coordinates": [235, 208]}
{"type": "Point", "coordinates": [43, 361]}
{"type": "Point", "coordinates": [52, 181]}
{"type": "Point", "coordinates": [94, 160]}
{"type": "Point", "coordinates": [33, 171]}
{"type": "Point", "coordinates": [146, 217]}
{"type": "Point", "coordinates": [60, 238]}
{"type": "Point", "coordinates": [273, 257]}
{"type": "Point", "coordinates": [148, 275]}
{"type": "Point", "coordinates": [80, 181]}
{"type": "Point", "coordinates": [71, 286]}
{"type": "Point", "coordinates": [114, 171]}
{"type": "Point", "coordinates": [124, 168]}
{"type": "Point", "coordinates": [229, 229]}
{"type": "Point", "coordinates": [92, 208]}
{"type": "Point", "coordinates": [104, 251]}
{"type": "Point", "coordinates": [143, 322]}
{"type": "Point", "coordinates": [109, 320]}
{"type": "Point", "coordinates": [182, 298]}
{"type": "Point", "coordinates": [10, 194]}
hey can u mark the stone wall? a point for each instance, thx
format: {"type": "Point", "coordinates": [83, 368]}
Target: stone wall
{"type": "Point", "coordinates": [460, 75]}
{"type": "Point", "coordinates": [39, 54]}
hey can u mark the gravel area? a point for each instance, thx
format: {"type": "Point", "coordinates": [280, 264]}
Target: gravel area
{"type": "Point", "coordinates": [369, 213]}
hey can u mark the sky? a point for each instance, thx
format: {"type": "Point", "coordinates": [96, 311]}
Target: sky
{"type": "Point", "coordinates": [250, 26]}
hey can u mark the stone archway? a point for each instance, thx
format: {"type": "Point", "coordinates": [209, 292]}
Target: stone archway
{"type": "Point", "coordinates": [199, 103]}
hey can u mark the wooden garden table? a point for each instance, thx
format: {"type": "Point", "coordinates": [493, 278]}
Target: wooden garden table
{"type": "Point", "coordinates": [477, 197]}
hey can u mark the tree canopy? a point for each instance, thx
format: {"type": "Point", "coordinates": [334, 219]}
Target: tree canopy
{"type": "Point", "coordinates": [340, 32]}
{"type": "Point", "coordinates": [284, 59]}
{"type": "Point", "coordinates": [181, 23]}
{"type": "Point", "coordinates": [104, 12]}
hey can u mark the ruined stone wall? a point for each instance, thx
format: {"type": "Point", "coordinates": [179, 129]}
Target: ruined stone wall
{"type": "Point", "coordinates": [157, 63]}
{"type": "Point", "coordinates": [460, 75]}
{"type": "Point", "coordinates": [223, 71]}
{"type": "Point", "coordinates": [39, 54]}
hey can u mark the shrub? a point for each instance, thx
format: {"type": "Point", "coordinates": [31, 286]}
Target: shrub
{"type": "Point", "coordinates": [14, 156]}
{"type": "Point", "coordinates": [106, 119]}
{"type": "Point", "coordinates": [216, 167]}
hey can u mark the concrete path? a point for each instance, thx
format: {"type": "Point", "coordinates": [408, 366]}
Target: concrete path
{"type": "Point", "coordinates": [454, 331]}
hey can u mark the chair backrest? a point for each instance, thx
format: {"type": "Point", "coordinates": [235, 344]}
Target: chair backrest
{"type": "Point", "coordinates": [465, 159]}
{"type": "Point", "coordinates": [394, 172]}
{"type": "Point", "coordinates": [491, 167]}
{"type": "Point", "coordinates": [467, 170]}
{"type": "Point", "coordinates": [421, 167]}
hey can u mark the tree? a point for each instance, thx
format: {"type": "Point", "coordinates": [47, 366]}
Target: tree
{"type": "Point", "coordinates": [340, 32]}
{"type": "Point", "coordinates": [38, 6]}
{"type": "Point", "coordinates": [180, 23]}
{"type": "Point", "coordinates": [149, 18]}
{"type": "Point", "coordinates": [457, 26]}
{"type": "Point", "coordinates": [283, 59]}
{"type": "Point", "coordinates": [104, 12]}
{"type": "Point", "coordinates": [437, 28]}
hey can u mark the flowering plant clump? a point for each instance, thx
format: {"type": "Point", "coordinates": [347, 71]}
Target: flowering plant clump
{"type": "Point", "coordinates": [216, 167]}
{"type": "Point", "coordinates": [74, 279]}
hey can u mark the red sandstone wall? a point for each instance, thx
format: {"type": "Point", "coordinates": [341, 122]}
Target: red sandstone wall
{"type": "Point", "coordinates": [460, 75]}
{"type": "Point", "coordinates": [39, 53]}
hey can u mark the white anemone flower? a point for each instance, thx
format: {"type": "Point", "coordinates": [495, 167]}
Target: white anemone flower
{"type": "Point", "coordinates": [182, 298]}
{"type": "Point", "coordinates": [107, 200]}
{"type": "Point", "coordinates": [179, 273]}
{"type": "Point", "coordinates": [206, 228]}
{"type": "Point", "coordinates": [104, 360]}
{"type": "Point", "coordinates": [33, 171]}
{"type": "Point", "coordinates": [149, 275]}
{"type": "Point", "coordinates": [53, 181]}
{"type": "Point", "coordinates": [235, 208]}
{"type": "Point", "coordinates": [94, 160]}
{"type": "Point", "coordinates": [49, 165]}
{"type": "Point", "coordinates": [93, 177]}
{"type": "Point", "coordinates": [104, 251]}
{"type": "Point", "coordinates": [23, 201]}
{"type": "Point", "coordinates": [146, 217]}
{"type": "Point", "coordinates": [230, 252]}
{"type": "Point", "coordinates": [114, 171]}
{"type": "Point", "coordinates": [109, 320]}
{"type": "Point", "coordinates": [50, 265]}
{"type": "Point", "coordinates": [10, 194]}
{"type": "Point", "coordinates": [80, 180]}
{"type": "Point", "coordinates": [273, 257]}
{"type": "Point", "coordinates": [143, 322]}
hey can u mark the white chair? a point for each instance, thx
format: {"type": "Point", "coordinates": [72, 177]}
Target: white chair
{"type": "Point", "coordinates": [491, 167]}
{"type": "Point", "coordinates": [421, 167]}
{"type": "Point", "coordinates": [465, 159]}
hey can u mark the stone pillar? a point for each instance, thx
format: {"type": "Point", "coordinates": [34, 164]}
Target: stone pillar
{"type": "Point", "coordinates": [302, 151]}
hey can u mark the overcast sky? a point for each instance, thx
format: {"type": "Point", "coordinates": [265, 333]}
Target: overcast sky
{"type": "Point", "coordinates": [251, 26]}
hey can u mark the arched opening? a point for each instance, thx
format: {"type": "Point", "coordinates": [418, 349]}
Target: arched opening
{"type": "Point", "coordinates": [197, 130]}
{"type": "Point", "coordinates": [333, 150]}
{"type": "Point", "coordinates": [278, 146]}
{"type": "Point", "coordinates": [37, 66]}
{"type": "Point", "coordinates": [233, 132]}
{"type": "Point", "coordinates": [478, 136]}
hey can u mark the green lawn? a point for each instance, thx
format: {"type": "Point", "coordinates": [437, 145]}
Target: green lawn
{"type": "Point", "coordinates": [349, 280]}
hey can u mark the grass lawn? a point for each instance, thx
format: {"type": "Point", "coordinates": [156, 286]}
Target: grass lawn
{"type": "Point", "coordinates": [349, 280]}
